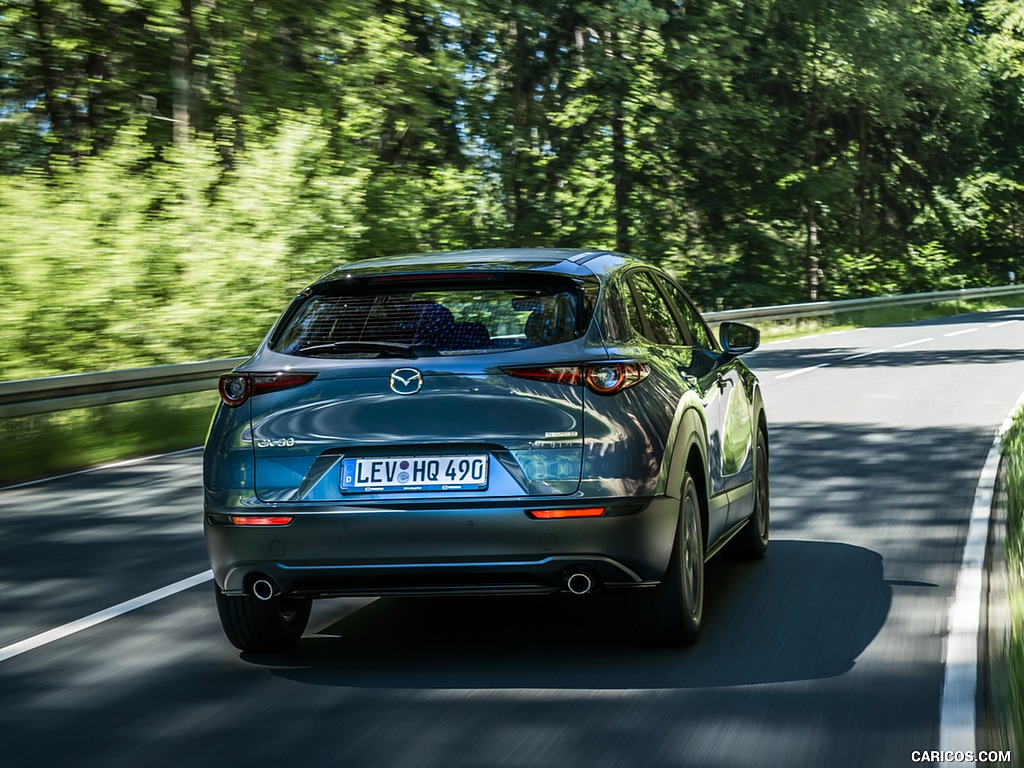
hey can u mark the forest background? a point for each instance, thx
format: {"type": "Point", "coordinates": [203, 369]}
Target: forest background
{"type": "Point", "coordinates": [173, 171]}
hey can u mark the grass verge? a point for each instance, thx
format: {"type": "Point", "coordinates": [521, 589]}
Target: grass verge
{"type": "Point", "coordinates": [51, 443]}
{"type": "Point", "coordinates": [1013, 465]}
{"type": "Point", "coordinates": [847, 321]}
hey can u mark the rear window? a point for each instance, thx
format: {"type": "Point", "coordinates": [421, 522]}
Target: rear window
{"type": "Point", "coordinates": [409, 318]}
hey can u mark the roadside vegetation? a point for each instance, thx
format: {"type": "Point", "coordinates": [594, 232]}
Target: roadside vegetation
{"type": "Point", "coordinates": [50, 443]}
{"type": "Point", "coordinates": [1013, 457]}
{"type": "Point", "coordinates": [172, 172]}
{"type": "Point", "coordinates": [882, 316]}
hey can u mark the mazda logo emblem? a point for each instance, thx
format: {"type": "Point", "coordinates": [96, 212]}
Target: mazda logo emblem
{"type": "Point", "coordinates": [406, 381]}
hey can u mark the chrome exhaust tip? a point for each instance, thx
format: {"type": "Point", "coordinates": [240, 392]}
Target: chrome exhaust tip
{"type": "Point", "coordinates": [264, 590]}
{"type": "Point", "coordinates": [579, 583]}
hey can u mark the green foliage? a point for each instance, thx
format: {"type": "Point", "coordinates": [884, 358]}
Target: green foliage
{"type": "Point", "coordinates": [1013, 456]}
{"type": "Point", "coordinates": [49, 443]}
{"type": "Point", "coordinates": [171, 171]}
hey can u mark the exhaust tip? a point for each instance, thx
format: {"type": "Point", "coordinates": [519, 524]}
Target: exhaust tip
{"type": "Point", "coordinates": [579, 583]}
{"type": "Point", "coordinates": [264, 590]}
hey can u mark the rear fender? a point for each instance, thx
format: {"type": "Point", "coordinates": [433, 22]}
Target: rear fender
{"type": "Point", "coordinates": [691, 439]}
{"type": "Point", "coordinates": [228, 468]}
{"type": "Point", "coordinates": [688, 431]}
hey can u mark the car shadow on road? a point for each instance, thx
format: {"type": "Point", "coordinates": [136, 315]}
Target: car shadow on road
{"type": "Point", "coordinates": [851, 357]}
{"type": "Point", "coordinates": [807, 611]}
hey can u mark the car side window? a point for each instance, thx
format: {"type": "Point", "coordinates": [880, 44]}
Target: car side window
{"type": "Point", "coordinates": [656, 321]}
{"type": "Point", "coordinates": [695, 325]}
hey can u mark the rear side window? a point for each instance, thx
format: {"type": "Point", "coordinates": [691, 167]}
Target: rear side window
{"type": "Point", "coordinates": [377, 318]}
{"type": "Point", "coordinates": [691, 317]}
{"type": "Point", "coordinates": [654, 320]}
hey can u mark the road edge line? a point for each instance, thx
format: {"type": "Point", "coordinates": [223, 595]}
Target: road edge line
{"type": "Point", "coordinates": [958, 705]}
{"type": "Point", "coordinates": [71, 628]}
{"type": "Point", "coordinates": [111, 465]}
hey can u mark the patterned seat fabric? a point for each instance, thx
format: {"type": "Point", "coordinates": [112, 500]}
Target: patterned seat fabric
{"type": "Point", "coordinates": [543, 328]}
{"type": "Point", "coordinates": [472, 335]}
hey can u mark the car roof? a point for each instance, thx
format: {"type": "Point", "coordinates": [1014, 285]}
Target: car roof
{"type": "Point", "coordinates": [569, 261]}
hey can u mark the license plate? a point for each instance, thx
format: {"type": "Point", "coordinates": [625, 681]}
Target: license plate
{"type": "Point", "coordinates": [414, 473]}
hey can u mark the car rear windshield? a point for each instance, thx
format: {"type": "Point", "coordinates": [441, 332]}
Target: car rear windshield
{"type": "Point", "coordinates": [410, 316]}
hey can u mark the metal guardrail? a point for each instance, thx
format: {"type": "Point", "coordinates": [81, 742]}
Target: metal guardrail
{"type": "Point", "coordinates": [25, 397]}
{"type": "Point", "coordinates": [820, 308]}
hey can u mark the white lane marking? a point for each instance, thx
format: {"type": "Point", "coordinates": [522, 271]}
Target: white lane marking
{"type": "Point", "coordinates": [912, 343]}
{"type": "Point", "coordinates": [826, 365]}
{"type": "Point", "coordinates": [802, 370]}
{"type": "Point", "coordinates": [1005, 322]}
{"type": "Point", "coordinates": [862, 354]}
{"type": "Point", "coordinates": [959, 333]}
{"type": "Point", "coordinates": [31, 643]}
{"type": "Point", "coordinates": [114, 465]}
{"type": "Point", "coordinates": [957, 712]}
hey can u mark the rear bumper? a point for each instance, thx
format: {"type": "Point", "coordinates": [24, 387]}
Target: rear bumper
{"type": "Point", "coordinates": [337, 551]}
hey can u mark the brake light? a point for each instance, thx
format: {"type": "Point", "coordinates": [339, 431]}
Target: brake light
{"type": "Point", "coordinates": [236, 388]}
{"type": "Point", "coordinates": [260, 520]}
{"type": "Point", "coordinates": [555, 514]}
{"type": "Point", "coordinates": [600, 378]}
{"type": "Point", "coordinates": [434, 276]}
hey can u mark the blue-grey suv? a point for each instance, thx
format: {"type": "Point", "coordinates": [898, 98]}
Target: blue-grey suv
{"type": "Point", "coordinates": [499, 421]}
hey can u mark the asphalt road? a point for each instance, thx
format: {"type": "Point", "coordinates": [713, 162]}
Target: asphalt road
{"type": "Point", "coordinates": [827, 653]}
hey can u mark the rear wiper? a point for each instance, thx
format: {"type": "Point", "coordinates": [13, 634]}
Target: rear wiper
{"type": "Point", "coordinates": [384, 347]}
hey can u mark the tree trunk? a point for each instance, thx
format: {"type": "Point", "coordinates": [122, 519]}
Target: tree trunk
{"type": "Point", "coordinates": [812, 252]}
{"type": "Point", "coordinates": [48, 70]}
{"type": "Point", "coordinates": [620, 169]}
{"type": "Point", "coordinates": [184, 52]}
{"type": "Point", "coordinates": [862, 182]}
{"type": "Point", "coordinates": [811, 129]}
{"type": "Point", "coordinates": [520, 108]}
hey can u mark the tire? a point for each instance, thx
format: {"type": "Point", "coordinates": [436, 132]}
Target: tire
{"type": "Point", "coordinates": [671, 612]}
{"type": "Point", "coordinates": [751, 543]}
{"type": "Point", "coordinates": [260, 626]}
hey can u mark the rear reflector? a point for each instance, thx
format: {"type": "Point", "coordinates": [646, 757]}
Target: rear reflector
{"type": "Point", "coordinates": [553, 514]}
{"type": "Point", "coordinates": [260, 520]}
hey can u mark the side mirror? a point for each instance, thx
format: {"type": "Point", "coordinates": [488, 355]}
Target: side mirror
{"type": "Point", "coordinates": [738, 339]}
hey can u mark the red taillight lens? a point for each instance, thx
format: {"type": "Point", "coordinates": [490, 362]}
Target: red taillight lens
{"type": "Point", "coordinates": [609, 378]}
{"type": "Point", "coordinates": [555, 514]}
{"type": "Point", "coordinates": [260, 520]}
{"type": "Point", "coordinates": [236, 388]}
{"type": "Point", "coordinates": [602, 378]}
{"type": "Point", "coordinates": [555, 374]}
{"type": "Point", "coordinates": [263, 383]}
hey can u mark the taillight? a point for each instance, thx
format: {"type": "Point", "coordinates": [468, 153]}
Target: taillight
{"type": "Point", "coordinates": [555, 514]}
{"type": "Point", "coordinates": [609, 378]}
{"type": "Point", "coordinates": [555, 374]}
{"type": "Point", "coordinates": [601, 378]}
{"type": "Point", "coordinates": [236, 388]}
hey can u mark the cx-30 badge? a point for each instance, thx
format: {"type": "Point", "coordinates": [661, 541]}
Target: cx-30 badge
{"type": "Point", "coordinates": [406, 381]}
